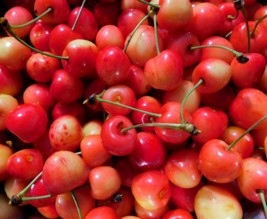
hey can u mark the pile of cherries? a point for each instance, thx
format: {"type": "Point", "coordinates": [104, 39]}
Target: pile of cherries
{"type": "Point", "coordinates": [133, 109]}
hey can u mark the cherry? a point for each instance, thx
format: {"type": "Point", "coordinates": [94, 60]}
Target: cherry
{"type": "Point", "coordinates": [116, 141]}
{"type": "Point", "coordinates": [112, 65]}
{"type": "Point", "coordinates": [6, 152]}
{"type": "Point", "coordinates": [7, 104]}
{"type": "Point", "coordinates": [149, 152]}
{"type": "Point", "coordinates": [213, 201]}
{"type": "Point", "coordinates": [104, 182]}
{"type": "Point", "coordinates": [93, 152]}
{"type": "Point", "coordinates": [16, 16]}
{"type": "Point", "coordinates": [181, 168]}
{"type": "Point", "coordinates": [32, 116]}
{"type": "Point", "coordinates": [146, 213]}
{"type": "Point", "coordinates": [71, 172]}
{"type": "Point", "coordinates": [65, 133]}
{"type": "Point", "coordinates": [98, 212]}
{"type": "Point", "coordinates": [164, 71]}
{"type": "Point", "coordinates": [178, 213]}
{"type": "Point", "coordinates": [48, 211]}
{"type": "Point", "coordinates": [86, 25]}
{"type": "Point", "coordinates": [151, 190]}
{"type": "Point", "coordinates": [59, 13]}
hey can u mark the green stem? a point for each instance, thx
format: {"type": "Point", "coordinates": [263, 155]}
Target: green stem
{"type": "Point", "coordinates": [263, 201]}
{"type": "Point", "coordinates": [48, 10]}
{"type": "Point", "coordinates": [7, 27]}
{"type": "Point", "coordinates": [98, 98]}
{"type": "Point", "coordinates": [247, 27]}
{"type": "Point", "coordinates": [156, 31]}
{"type": "Point", "coordinates": [78, 15]}
{"type": "Point", "coordinates": [188, 127]}
{"type": "Point", "coordinates": [24, 199]}
{"type": "Point", "coordinates": [150, 4]}
{"type": "Point", "coordinates": [17, 199]}
{"type": "Point", "coordinates": [135, 29]}
{"type": "Point", "coordinates": [76, 204]}
{"type": "Point", "coordinates": [201, 81]}
{"type": "Point", "coordinates": [246, 132]}
{"type": "Point", "coordinates": [256, 25]}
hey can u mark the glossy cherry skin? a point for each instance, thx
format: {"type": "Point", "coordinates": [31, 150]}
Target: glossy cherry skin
{"type": "Point", "coordinates": [149, 152]}
{"type": "Point", "coordinates": [25, 164]}
{"type": "Point", "coordinates": [177, 214]}
{"type": "Point", "coordinates": [112, 65]}
{"type": "Point", "coordinates": [169, 114]}
{"type": "Point", "coordinates": [258, 40]}
{"type": "Point", "coordinates": [98, 212]}
{"type": "Point", "coordinates": [252, 178]}
{"type": "Point", "coordinates": [219, 164]}
{"type": "Point", "coordinates": [70, 169]}
{"type": "Point", "coordinates": [242, 106]}
{"type": "Point", "coordinates": [6, 152]}
{"type": "Point", "coordinates": [216, 74]}
{"type": "Point", "coordinates": [32, 116]}
{"type": "Point", "coordinates": [173, 16]}
{"type": "Point", "coordinates": [116, 142]}
{"type": "Point", "coordinates": [245, 146]}
{"type": "Point", "coordinates": [39, 35]}
{"type": "Point", "coordinates": [19, 15]}
{"type": "Point", "coordinates": [82, 55]}
{"type": "Point", "coordinates": [164, 71]}
{"type": "Point", "coordinates": [248, 74]}
{"type": "Point", "coordinates": [151, 190]}
{"type": "Point", "coordinates": [204, 118]}
{"type": "Point", "coordinates": [59, 14]}
{"type": "Point", "coordinates": [65, 133]}
{"type": "Point", "coordinates": [181, 42]}
{"type": "Point", "coordinates": [181, 168]}
{"type": "Point", "coordinates": [87, 24]}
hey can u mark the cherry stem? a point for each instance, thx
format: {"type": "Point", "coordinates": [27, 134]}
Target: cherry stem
{"type": "Point", "coordinates": [150, 4]}
{"type": "Point", "coordinates": [263, 201]}
{"type": "Point", "coordinates": [135, 29]}
{"type": "Point", "coordinates": [76, 204]}
{"type": "Point", "coordinates": [48, 10]}
{"type": "Point", "coordinates": [188, 127]}
{"type": "Point", "coordinates": [8, 28]}
{"type": "Point", "coordinates": [17, 199]}
{"type": "Point", "coordinates": [156, 31]}
{"type": "Point", "coordinates": [246, 132]}
{"type": "Point", "coordinates": [257, 23]}
{"type": "Point", "coordinates": [78, 15]}
{"type": "Point", "coordinates": [201, 81]}
{"type": "Point", "coordinates": [24, 199]}
{"type": "Point", "coordinates": [247, 26]}
{"type": "Point", "coordinates": [232, 17]}
{"type": "Point", "coordinates": [99, 98]}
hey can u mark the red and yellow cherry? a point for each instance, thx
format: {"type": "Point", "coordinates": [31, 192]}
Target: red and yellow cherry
{"type": "Point", "coordinates": [7, 104]}
{"type": "Point", "coordinates": [25, 164]}
{"type": "Point", "coordinates": [177, 214]}
{"type": "Point", "coordinates": [70, 169]}
{"type": "Point", "coordinates": [6, 152]}
{"type": "Point", "coordinates": [164, 71]}
{"type": "Point", "coordinates": [213, 202]}
{"type": "Point", "coordinates": [100, 211]}
{"type": "Point", "coordinates": [32, 116]}
{"type": "Point", "coordinates": [173, 16]}
{"type": "Point", "coordinates": [104, 182]}
{"type": "Point", "coordinates": [65, 133]}
{"type": "Point", "coordinates": [181, 168]}
{"type": "Point", "coordinates": [251, 179]}
{"type": "Point", "coordinates": [151, 189]}
{"type": "Point", "coordinates": [218, 163]}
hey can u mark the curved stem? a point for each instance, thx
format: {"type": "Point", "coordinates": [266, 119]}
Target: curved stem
{"type": "Point", "coordinates": [201, 81]}
{"type": "Point", "coordinates": [76, 204]}
{"type": "Point", "coordinates": [98, 98]}
{"type": "Point", "coordinates": [78, 15]}
{"type": "Point", "coordinates": [48, 10]}
{"type": "Point", "coordinates": [156, 31]}
{"type": "Point", "coordinates": [256, 25]}
{"type": "Point", "coordinates": [135, 29]}
{"type": "Point", "coordinates": [263, 201]}
{"type": "Point", "coordinates": [24, 199]}
{"type": "Point", "coordinates": [188, 127]}
{"type": "Point", "coordinates": [245, 132]}
{"type": "Point", "coordinates": [17, 199]}
{"type": "Point", "coordinates": [7, 27]}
